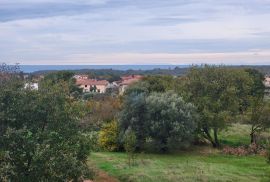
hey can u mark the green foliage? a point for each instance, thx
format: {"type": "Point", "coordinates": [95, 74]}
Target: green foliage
{"type": "Point", "coordinates": [159, 83]}
{"type": "Point", "coordinates": [92, 137]}
{"type": "Point", "coordinates": [130, 145]}
{"type": "Point", "coordinates": [172, 121]}
{"type": "Point", "coordinates": [66, 77]}
{"type": "Point", "coordinates": [161, 117]}
{"type": "Point", "coordinates": [134, 116]}
{"type": "Point", "coordinates": [258, 117]}
{"type": "Point", "coordinates": [108, 136]}
{"type": "Point", "coordinates": [219, 93]}
{"type": "Point", "coordinates": [99, 110]}
{"type": "Point", "coordinates": [257, 112]}
{"type": "Point", "coordinates": [40, 137]}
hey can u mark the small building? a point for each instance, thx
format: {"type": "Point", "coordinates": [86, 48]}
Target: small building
{"type": "Point", "coordinates": [81, 77]}
{"type": "Point", "coordinates": [267, 81]}
{"type": "Point", "coordinates": [32, 86]}
{"type": "Point", "coordinates": [92, 85]}
{"type": "Point", "coordinates": [127, 81]}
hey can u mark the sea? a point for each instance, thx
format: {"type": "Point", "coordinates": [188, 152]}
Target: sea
{"type": "Point", "coordinates": [34, 68]}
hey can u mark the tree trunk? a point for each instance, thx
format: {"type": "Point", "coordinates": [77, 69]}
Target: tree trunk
{"type": "Point", "coordinates": [253, 138]}
{"type": "Point", "coordinates": [217, 144]}
{"type": "Point", "coordinates": [208, 136]}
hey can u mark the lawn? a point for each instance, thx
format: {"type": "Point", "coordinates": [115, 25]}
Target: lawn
{"type": "Point", "coordinates": [198, 164]}
{"type": "Point", "coordinates": [183, 167]}
{"type": "Point", "coordinates": [235, 135]}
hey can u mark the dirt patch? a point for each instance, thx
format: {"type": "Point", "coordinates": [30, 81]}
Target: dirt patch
{"type": "Point", "coordinates": [101, 176]}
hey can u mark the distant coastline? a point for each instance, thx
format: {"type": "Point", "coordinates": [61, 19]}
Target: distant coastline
{"type": "Point", "coordinates": [126, 69]}
{"type": "Point", "coordinates": [34, 68]}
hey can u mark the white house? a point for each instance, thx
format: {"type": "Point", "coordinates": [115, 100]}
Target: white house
{"type": "Point", "coordinates": [32, 86]}
{"type": "Point", "coordinates": [267, 81]}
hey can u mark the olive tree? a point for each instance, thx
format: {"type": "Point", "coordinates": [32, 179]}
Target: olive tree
{"type": "Point", "coordinates": [172, 121]}
{"type": "Point", "coordinates": [134, 116]}
{"type": "Point", "coordinates": [219, 93]}
{"type": "Point", "coordinates": [40, 137]}
{"type": "Point", "coordinates": [164, 118]}
{"type": "Point", "coordinates": [257, 114]}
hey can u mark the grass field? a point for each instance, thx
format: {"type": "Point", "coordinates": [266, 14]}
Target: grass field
{"type": "Point", "coordinates": [199, 164]}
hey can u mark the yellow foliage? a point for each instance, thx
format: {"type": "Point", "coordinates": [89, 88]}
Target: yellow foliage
{"type": "Point", "coordinates": [108, 136]}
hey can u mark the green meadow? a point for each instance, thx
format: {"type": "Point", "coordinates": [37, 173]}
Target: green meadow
{"type": "Point", "coordinates": [200, 163]}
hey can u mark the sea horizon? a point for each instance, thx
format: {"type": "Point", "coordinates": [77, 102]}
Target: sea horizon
{"type": "Point", "coordinates": [124, 67]}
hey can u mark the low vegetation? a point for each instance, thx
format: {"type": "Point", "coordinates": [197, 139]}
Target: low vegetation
{"type": "Point", "coordinates": [186, 166]}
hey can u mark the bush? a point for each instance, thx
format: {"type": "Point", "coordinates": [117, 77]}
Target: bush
{"type": "Point", "coordinates": [130, 145]}
{"type": "Point", "coordinates": [252, 149]}
{"type": "Point", "coordinates": [172, 121]}
{"type": "Point", "coordinates": [165, 119]}
{"type": "Point", "coordinates": [92, 138]}
{"type": "Point", "coordinates": [108, 136]}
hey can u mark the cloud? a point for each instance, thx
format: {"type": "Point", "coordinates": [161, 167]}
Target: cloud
{"type": "Point", "coordinates": [259, 57]}
{"type": "Point", "coordinates": [40, 31]}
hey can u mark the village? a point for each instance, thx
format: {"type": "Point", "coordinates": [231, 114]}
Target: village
{"type": "Point", "coordinates": [91, 85]}
{"type": "Point", "coordinates": [97, 86]}
{"type": "Point", "coordinates": [101, 86]}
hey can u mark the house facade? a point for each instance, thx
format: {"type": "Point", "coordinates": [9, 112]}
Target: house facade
{"type": "Point", "coordinates": [31, 86]}
{"type": "Point", "coordinates": [267, 81]}
{"type": "Point", "coordinates": [92, 85]}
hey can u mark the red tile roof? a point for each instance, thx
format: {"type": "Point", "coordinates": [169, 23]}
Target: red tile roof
{"type": "Point", "coordinates": [91, 82]}
{"type": "Point", "coordinates": [128, 80]}
{"type": "Point", "coordinates": [131, 77]}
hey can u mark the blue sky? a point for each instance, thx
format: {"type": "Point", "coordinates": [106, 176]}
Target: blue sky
{"type": "Point", "coordinates": [135, 31]}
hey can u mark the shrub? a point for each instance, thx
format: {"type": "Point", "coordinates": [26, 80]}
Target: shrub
{"type": "Point", "coordinates": [92, 138]}
{"type": "Point", "coordinates": [108, 136]}
{"type": "Point", "coordinates": [172, 121]}
{"type": "Point", "coordinates": [130, 145]}
{"type": "Point", "coordinates": [164, 119]}
{"type": "Point", "coordinates": [243, 151]}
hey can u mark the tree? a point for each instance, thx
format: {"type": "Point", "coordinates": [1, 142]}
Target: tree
{"type": "Point", "coordinates": [171, 120]}
{"type": "Point", "coordinates": [219, 95]}
{"type": "Point", "coordinates": [100, 111]}
{"type": "Point", "coordinates": [130, 145]}
{"type": "Point", "coordinates": [162, 117]}
{"type": "Point", "coordinates": [64, 76]}
{"type": "Point", "coordinates": [40, 137]}
{"type": "Point", "coordinates": [159, 83]}
{"type": "Point", "coordinates": [133, 116]}
{"type": "Point", "coordinates": [258, 116]}
{"type": "Point", "coordinates": [9, 73]}
{"type": "Point", "coordinates": [109, 136]}
{"type": "Point", "coordinates": [257, 112]}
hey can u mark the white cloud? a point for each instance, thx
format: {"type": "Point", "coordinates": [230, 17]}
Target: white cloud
{"type": "Point", "coordinates": [261, 57]}
{"type": "Point", "coordinates": [68, 37]}
{"type": "Point", "coordinates": [93, 2]}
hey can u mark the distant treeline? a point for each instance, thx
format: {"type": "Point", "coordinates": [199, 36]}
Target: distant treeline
{"type": "Point", "coordinates": [265, 69]}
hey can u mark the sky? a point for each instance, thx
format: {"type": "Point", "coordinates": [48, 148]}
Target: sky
{"type": "Point", "coordinates": [101, 32]}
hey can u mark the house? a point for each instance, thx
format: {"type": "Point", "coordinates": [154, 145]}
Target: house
{"type": "Point", "coordinates": [82, 77]}
{"type": "Point", "coordinates": [267, 81]}
{"type": "Point", "coordinates": [126, 81]}
{"type": "Point", "coordinates": [92, 85]}
{"type": "Point", "coordinates": [31, 86]}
